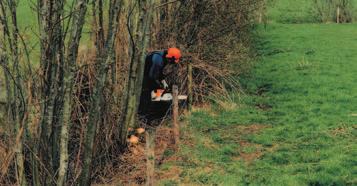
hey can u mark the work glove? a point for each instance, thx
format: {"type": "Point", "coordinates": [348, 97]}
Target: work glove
{"type": "Point", "coordinates": [164, 84]}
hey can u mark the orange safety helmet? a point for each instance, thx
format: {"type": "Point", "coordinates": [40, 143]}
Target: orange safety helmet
{"type": "Point", "coordinates": [174, 53]}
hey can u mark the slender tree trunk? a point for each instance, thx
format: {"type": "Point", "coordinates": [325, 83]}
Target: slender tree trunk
{"type": "Point", "coordinates": [70, 65]}
{"type": "Point", "coordinates": [133, 89]}
{"type": "Point", "coordinates": [20, 161]}
{"type": "Point", "coordinates": [131, 23]}
{"type": "Point", "coordinates": [58, 87]}
{"type": "Point", "coordinates": [50, 15]}
{"type": "Point", "coordinates": [15, 92]}
{"type": "Point", "coordinates": [65, 120]}
{"type": "Point", "coordinates": [104, 60]}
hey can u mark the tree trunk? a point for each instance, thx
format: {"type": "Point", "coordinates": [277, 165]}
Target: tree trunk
{"type": "Point", "coordinates": [104, 60]}
{"type": "Point", "coordinates": [137, 64]}
{"type": "Point", "coordinates": [15, 91]}
{"type": "Point", "coordinates": [70, 66]}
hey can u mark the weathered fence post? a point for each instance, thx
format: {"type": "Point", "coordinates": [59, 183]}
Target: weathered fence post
{"type": "Point", "coordinates": [338, 14]}
{"type": "Point", "coordinates": [260, 18]}
{"type": "Point", "coordinates": [175, 108]}
{"type": "Point", "coordinates": [150, 157]}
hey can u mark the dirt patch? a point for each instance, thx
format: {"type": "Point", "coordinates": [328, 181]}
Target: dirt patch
{"type": "Point", "coordinates": [163, 142]}
{"type": "Point", "coordinates": [132, 170]}
{"type": "Point", "coordinates": [256, 152]}
{"type": "Point", "coordinates": [208, 143]}
{"type": "Point", "coordinates": [264, 107]}
{"type": "Point", "coordinates": [341, 131]}
{"type": "Point", "coordinates": [237, 132]}
{"type": "Point", "coordinates": [251, 129]}
{"type": "Point", "coordinates": [250, 157]}
{"type": "Point", "coordinates": [133, 163]}
{"type": "Point", "coordinates": [249, 151]}
{"type": "Point", "coordinates": [173, 173]}
{"type": "Point", "coordinates": [263, 89]}
{"type": "Point", "coordinates": [207, 108]}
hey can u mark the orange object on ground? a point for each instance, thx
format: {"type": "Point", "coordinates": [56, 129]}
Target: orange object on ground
{"type": "Point", "coordinates": [140, 130]}
{"type": "Point", "coordinates": [133, 139]}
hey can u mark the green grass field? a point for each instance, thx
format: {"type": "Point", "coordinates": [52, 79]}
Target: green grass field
{"type": "Point", "coordinates": [295, 11]}
{"type": "Point", "coordinates": [297, 122]}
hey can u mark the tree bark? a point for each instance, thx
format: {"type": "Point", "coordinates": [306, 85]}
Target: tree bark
{"type": "Point", "coordinates": [137, 64]}
{"type": "Point", "coordinates": [104, 60]}
{"type": "Point", "coordinates": [15, 92]}
{"type": "Point", "coordinates": [70, 65]}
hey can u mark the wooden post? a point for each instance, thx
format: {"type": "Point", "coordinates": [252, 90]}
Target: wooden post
{"type": "Point", "coordinates": [189, 87]}
{"type": "Point", "coordinates": [338, 14]}
{"type": "Point", "coordinates": [150, 157]}
{"type": "Point", "coordinates": [175, 109]}
{"type": "Point", "coordinates": [260, 18]}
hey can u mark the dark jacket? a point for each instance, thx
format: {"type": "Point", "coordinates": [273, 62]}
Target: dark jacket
{"type": "Point", "coordinates": [153, 74]}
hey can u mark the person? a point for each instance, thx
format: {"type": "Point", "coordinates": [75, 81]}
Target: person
{"type": "Point", "coordinates": [154, 76]}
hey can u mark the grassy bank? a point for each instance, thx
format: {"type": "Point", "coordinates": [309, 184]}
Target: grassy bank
{"type": "Point", "coordinates": [297, 123]}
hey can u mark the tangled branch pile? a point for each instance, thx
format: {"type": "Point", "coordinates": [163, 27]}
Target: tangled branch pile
{"type": "Point", "coordinates": [215, 38]}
